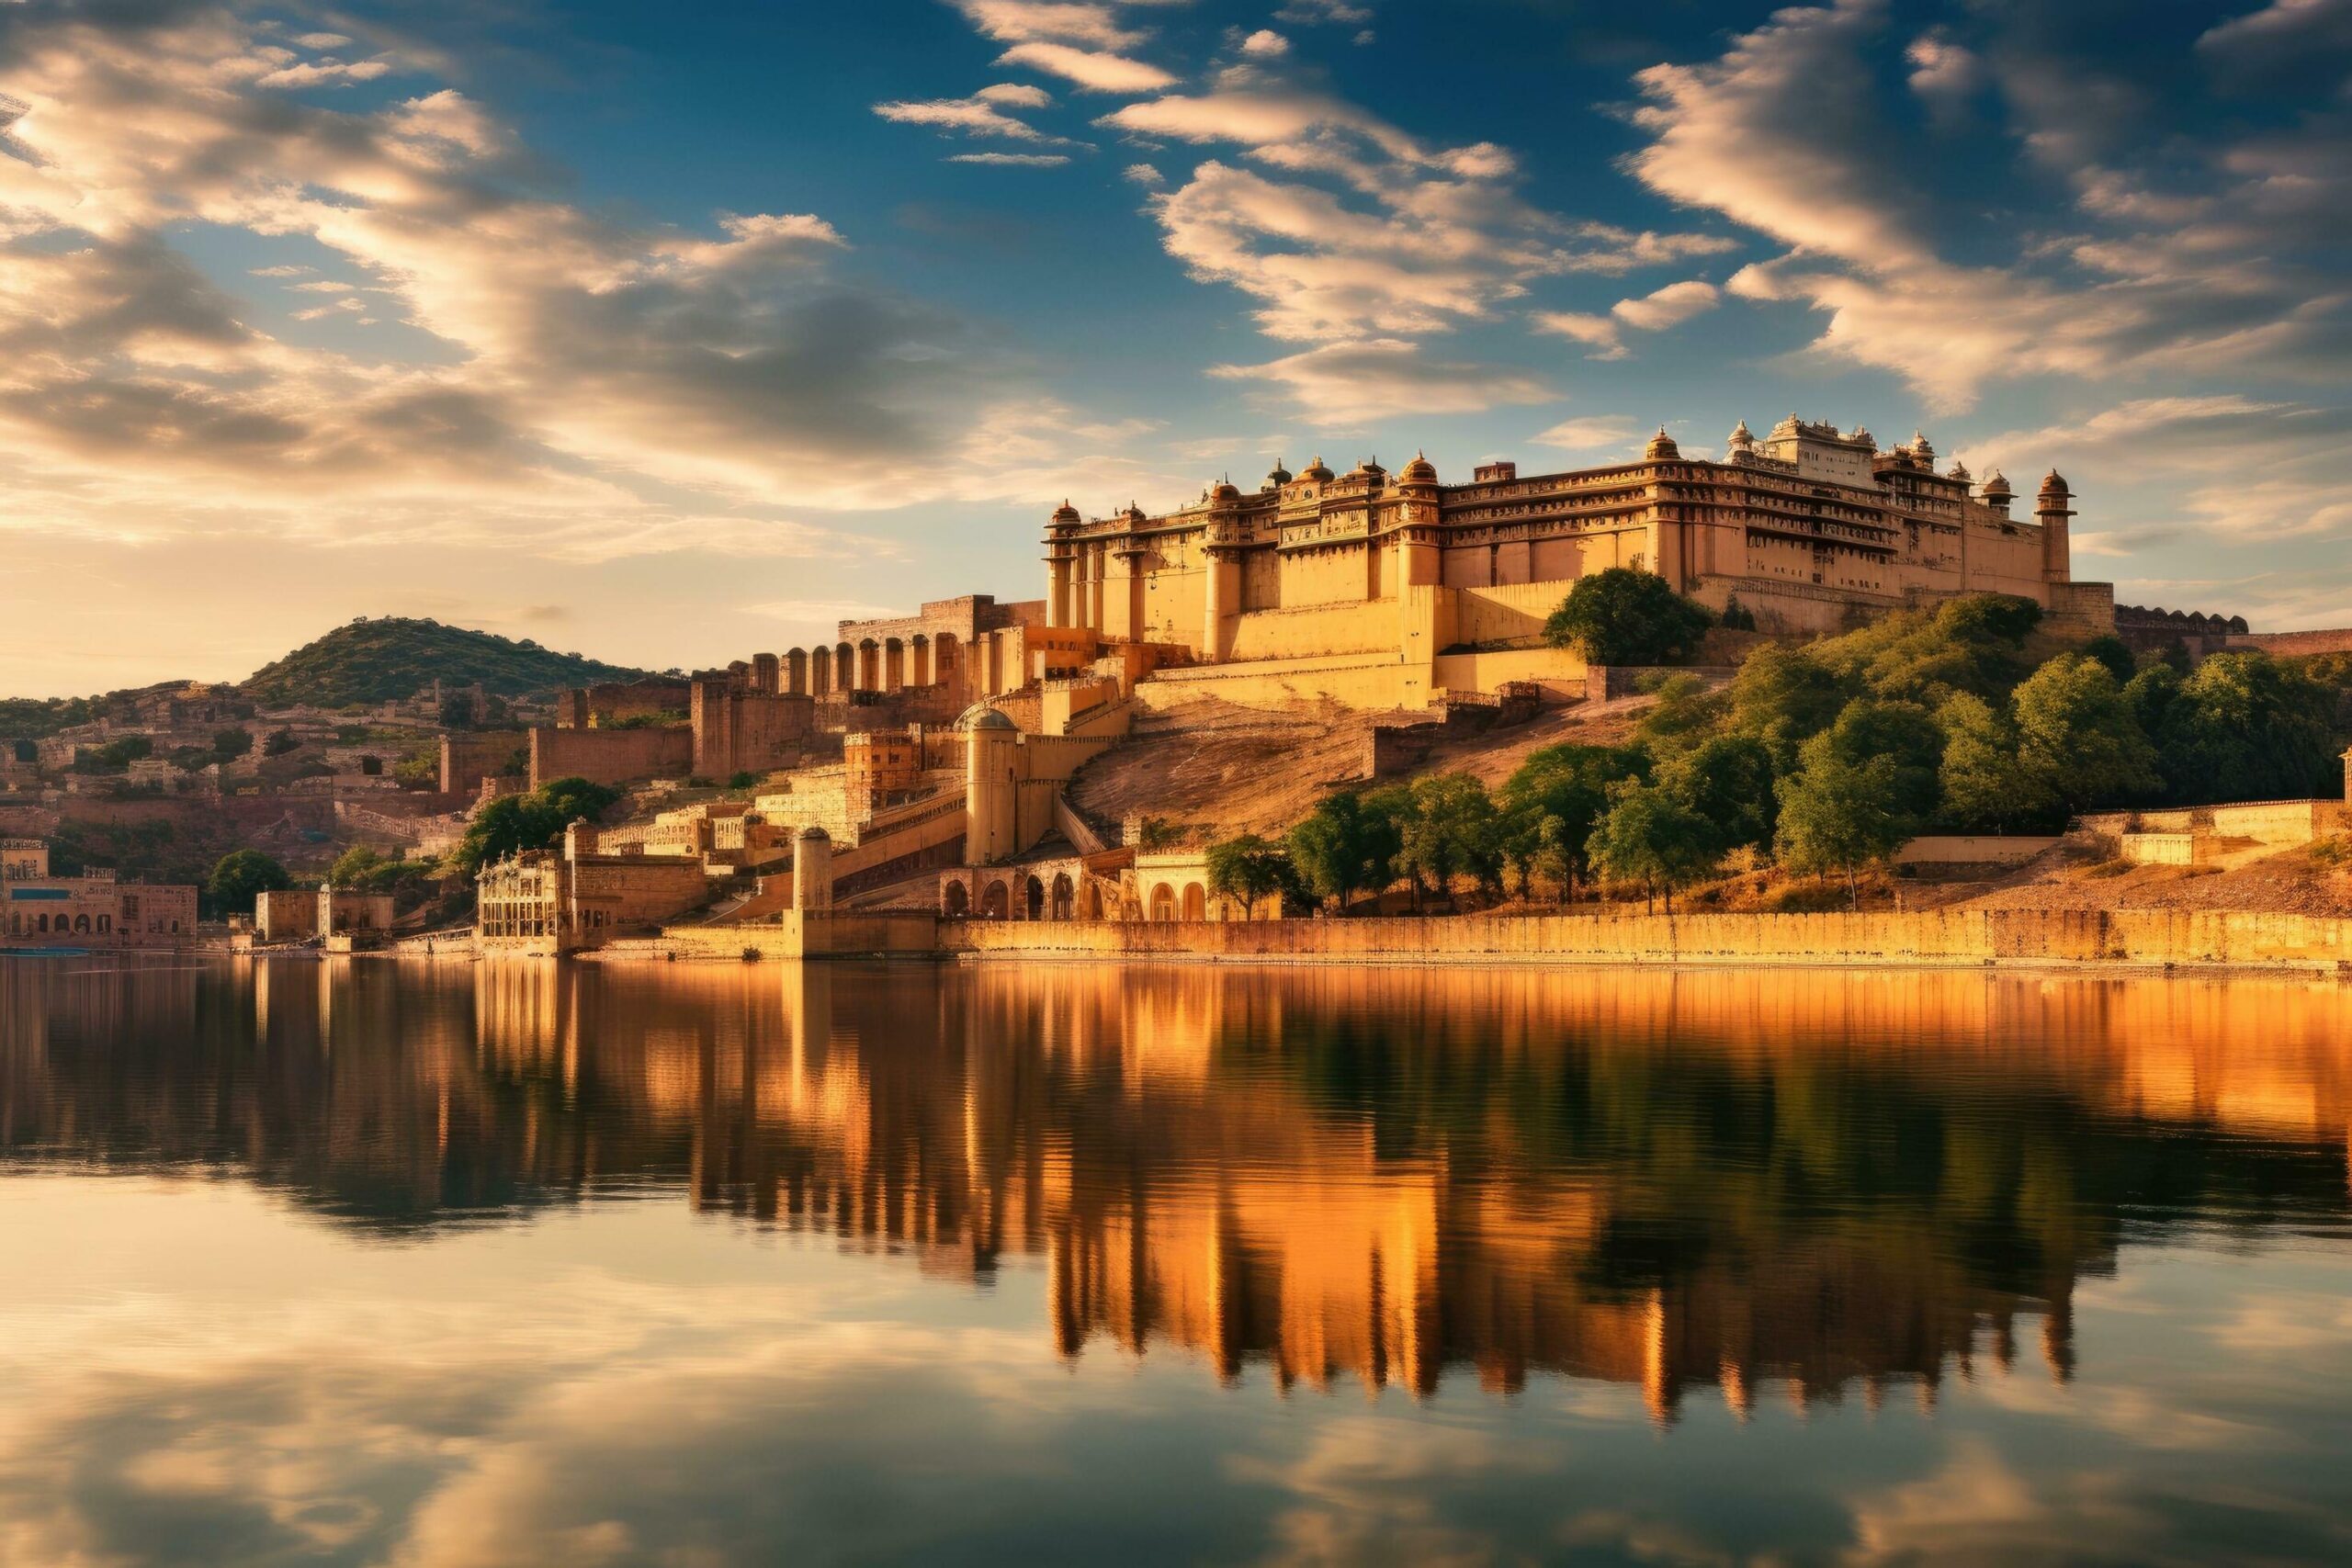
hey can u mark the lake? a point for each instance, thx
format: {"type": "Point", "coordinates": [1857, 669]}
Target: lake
{"type": "Point", "coordinates": [377, 1262]}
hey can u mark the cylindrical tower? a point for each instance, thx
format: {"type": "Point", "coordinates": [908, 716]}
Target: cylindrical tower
{"type": "Point", "coordinates": [812, 871]}
{"type": "Point", "coordinates": [990, 740]}
{"type": "Point", "coordinates": [2050, 510]}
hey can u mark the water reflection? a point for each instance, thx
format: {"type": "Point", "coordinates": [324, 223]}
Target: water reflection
{"type": "Point", "coordinates": [1752, 1183]}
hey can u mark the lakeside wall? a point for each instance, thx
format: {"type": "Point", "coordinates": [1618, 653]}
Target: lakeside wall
{"type": "Point", "coordinates": [1959, 937]}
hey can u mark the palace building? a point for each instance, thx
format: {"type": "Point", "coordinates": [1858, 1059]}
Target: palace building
{"type": "Point", "coordinates": [1397, 585]}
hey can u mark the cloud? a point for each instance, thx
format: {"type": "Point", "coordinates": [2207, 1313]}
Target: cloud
{"type": "Point", "coordinates": [1265, 44]}
{"type": "Point", "coordinates": [982, 113]}
{"type": "Point", "coordinates": [1785, 133]}
{"type": "Point", "coordinates": [1144, 175]}
{"type": "Point", "coordinates": [1594, 432]}
{"type": "Point", "coordinates": [1945, 74]}
{"type": "Point", "coordinates": [1089, 70]}
{"type": "Point", "coordinates": [599, 388]}
{"type": "Point", "coordinates": [1349, 384]}
{"type": "Point", "coordinates": [1022, 21]}
{"type": "Point", "coordinates": [1013, 160]}
{"type": "Point", "coordinates": [1654, 311]}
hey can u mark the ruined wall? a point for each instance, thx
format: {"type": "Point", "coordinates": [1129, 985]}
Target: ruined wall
{"type": "Point", "coordinates": [468, 757]}
{"type": "Point", "coordinates": [738, 731]}
{"type": "Point", "coordinates": [611, 756]}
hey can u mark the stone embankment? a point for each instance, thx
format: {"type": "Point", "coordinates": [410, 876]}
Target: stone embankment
{"type": "Point", "coordinates": [1944, 937]}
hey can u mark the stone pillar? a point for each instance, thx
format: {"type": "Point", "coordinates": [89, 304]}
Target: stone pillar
{"type": "Point", "coordinates": [989, 790]}
{"type": "Point", "coordinates": [1097, 569]}
{"type": "Point", "coordinates": [1058, 565]}
{"type": "Point", "coordinates": [894, 664]}
{"type": "Point", "coordinates": [812, 871]}
{"type": "Point", "coordinates": [1219, 598]}
{"type": "Point", "coordinates": [795, 672]}
{"type": "Point", "coordinates": [764, 669]}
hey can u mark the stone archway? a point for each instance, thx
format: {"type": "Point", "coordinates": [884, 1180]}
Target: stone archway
{"type": "Point", "coordinates": [954, 901]}
{"type": "Point", "coordinates": [1197, 901]}
{"type": "Point", "coordinates": [944, 661]}
{"type": "Point", "coordinates": [1032, 899]}
{"type": "Point", "coordinates": [995, 902]}
{"type": "Point", "coordinates": [1163, 904]}
{"type": "Point", "coordinates": [1064, 901]}
{"type": "Point", "coordinates": [820, 672]}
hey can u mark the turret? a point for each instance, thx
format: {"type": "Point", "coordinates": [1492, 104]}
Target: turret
{"type": "Point", "coordinates": [990, 740]}
{"type": "Point", "coordinates": [812, 871]}
{"type": "Point", "coordinates": [1661, 447]}
{"type": "Point", "coordinates": [2050, 510]}
{"type": "Point", "coordinates": [1996, 493]}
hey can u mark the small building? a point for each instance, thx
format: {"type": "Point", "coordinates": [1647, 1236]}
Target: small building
{"type": "Point", "coordinates": [548, 902]}
{"type": "Point", "coordinates": [93, 909]}
{"type": "Point", "coordinates": [308, 914]}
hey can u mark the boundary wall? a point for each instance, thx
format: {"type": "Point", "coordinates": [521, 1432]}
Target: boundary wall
{"type": "Point", "coordinates": [1954, 937]}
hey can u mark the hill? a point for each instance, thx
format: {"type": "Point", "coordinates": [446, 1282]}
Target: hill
{"type": "Point", "coordinates": [383, 660]}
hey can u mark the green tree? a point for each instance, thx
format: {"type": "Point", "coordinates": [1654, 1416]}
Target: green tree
{"type": "Point", "coordinates": [1686, 711]}
{"type": "Point", "coordinates": [2078, 739]}
{"type": "Point", "coordinates": [1906, 735]}
{"type": "Point", "coordinates": [1341, 848]}
{"type": "Point", "coordinates": [1399, 808]}
{"type": "Point", "coordinates": [513, 823]}
{"type": "Point", "coordinates": [1454, 832]}
{"type": "Point", "coordinates": [2116, 654]}
{"type": "Point", "coordinates": [1649, 836]}
{"type": "Point", "coordinates": [1251, 868]}
{"type": "Point", "coordinates": [242, 877]}
{"type": "Point", "coordinates": [2246, 727]}
{"type": "Point", "coordinates": [1838, 813]}
{"type": "Point", "coordinates": [1726, 781]}
{"type": "Point", "coordinates": [1551, 802]}
{"type": "Point", "coordinates": [1625, 617]}
{"type": "Point", "coordinates": [1985, 788]}
{"type": "Point", "coordinates": [232, 743]}
{"type": "Point", "coordinates": [1784, 696]}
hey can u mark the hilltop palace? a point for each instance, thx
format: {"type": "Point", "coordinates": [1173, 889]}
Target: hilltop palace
{"type": "Point", "coordinates": [939, 742]}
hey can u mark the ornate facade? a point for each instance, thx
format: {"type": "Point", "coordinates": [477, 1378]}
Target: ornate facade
{"type": "Point", "coordinates": [1809, 530]}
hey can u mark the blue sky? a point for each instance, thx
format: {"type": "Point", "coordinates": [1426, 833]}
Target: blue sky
{"type": "Point", "coordinates": [670, 334]}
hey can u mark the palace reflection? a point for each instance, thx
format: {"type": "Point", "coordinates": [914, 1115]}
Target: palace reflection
{"type": "Point", "coordinates": [1749, 1182]}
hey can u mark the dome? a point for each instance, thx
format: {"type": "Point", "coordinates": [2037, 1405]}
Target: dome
{"type": "Point", "coordinates": [989, 718]}
{"type": "Point", "coordinates": [1959, 471]}
{"type": "Point", "coordinates": [1996, 484]}
{"type": "Point", "coordinates": [1277, 475]}
{"type": "Point", "coordinates": [1066, 512]}
{"type": "Point", "coordinates": [1741, 436]}
{"type": "Point", "coordinates": [1225, 491]}
{"type": "Point", "coordinates": [1662, 445]}
{"type": "Point", "coordinates": [812, 833]}
{"type": "Point", "coordinates": [1420, 471]}
{"type": "Point", "coordinates": [1920, 445]}
{"type": "Point", "coordinates": [1316, 470]}
{"type": "Point", "coordinates": [2052, 481]}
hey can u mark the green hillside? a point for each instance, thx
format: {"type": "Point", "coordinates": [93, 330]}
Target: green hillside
{"type": "Point", "coordinates": [380, 661]}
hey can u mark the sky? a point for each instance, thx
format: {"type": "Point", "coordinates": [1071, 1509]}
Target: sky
{"type": "Point", "coordinates": [673, 333]}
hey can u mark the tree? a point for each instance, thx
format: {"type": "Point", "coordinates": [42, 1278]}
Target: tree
{"type": "Point", "coordinates": [1685, 710]}
{"type": "Point", "coordinates": [279, 743]}
{"type": "Point", "coordinates": [513, 823]}
{"type": "Point", "coordinates": [1984, 787]}
{"type": "Point", "coordinates": [1250, 869]}
{"type": "Point", "coordinates": [242, 877]}
{"type": "Point", "coordinates": [2116, 654]}
{"type": "Point", "coordinates": [1648, 835]}
{"type": "Point", "coordinates": [1726, 783]}
{"type": "Point", "coordinates": [1838, 813]}
{"type": "Point", "coordinates": [1341, 848]}
{"type": "Point", "coordinates": [232, 743]}
{"type": "Point", "coordinates": [742, 779]}
{"type": "Point", "coordinates": [419, 769]}
{"type": "Point", "coordinates": [1784, 696]}
{"type": "Point", "coordinates": [1398, 810]}
{"type": "Point", "coordinates": [2076, 737]}
{"type": "Point", "coordinates": [1626, 617]}
{"type": "Point", "coordinates": [1551, 804]}
{"type": "Point", "coordinates": [1907, 736]}
{"type": "Point", "coordinates": [2245, 727]}
{"type": "Point", "coordinates": [1454, 832]}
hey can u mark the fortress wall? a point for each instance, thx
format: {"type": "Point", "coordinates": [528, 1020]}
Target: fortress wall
{"type": "Point", "coordinates": [470, 756]}
{"type": "Point", "coordinates": [611, 756]}
{"type": "Point", "coordinates": [2289, 645]}
{"type": "Point", "coordinates": [1374, 682]}
{"type": "Point", "coordinates": [1515, 613]}
{"type": "Point", "coordinates": [1559, 670]}
{"type": "Point", "coordinates": [1315, 631]}
{"type": "Point", "coordinates": [1967, 937]}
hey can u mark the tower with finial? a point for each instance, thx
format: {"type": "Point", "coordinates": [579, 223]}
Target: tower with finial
{"type": "Point", "coordinates": [2051, 509]}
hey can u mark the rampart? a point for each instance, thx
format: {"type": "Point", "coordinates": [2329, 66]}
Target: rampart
{"type": "Point", "coordinates": [611, 756]}
{"type": "Point", "coordinates": [1935, 938]}
{"type": "Point", "coordinates": [470, 756]}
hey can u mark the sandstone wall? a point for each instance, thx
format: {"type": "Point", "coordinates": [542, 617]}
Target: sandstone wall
{"type": "Point", "coordinates": [1935, 937]}
{"type": "Point", "coordinates": [470, 756]}
{"type": "Point", "coordinates": [611, 756]}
